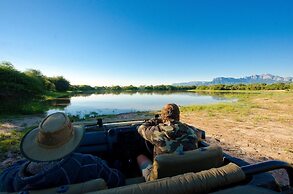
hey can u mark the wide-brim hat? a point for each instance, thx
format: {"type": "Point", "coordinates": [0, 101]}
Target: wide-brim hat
{"type": "Point", "coordinates": [54, 139]}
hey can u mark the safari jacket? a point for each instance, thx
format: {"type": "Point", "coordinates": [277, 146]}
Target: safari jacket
{"type": "Point", "coordinates": [169, 137]}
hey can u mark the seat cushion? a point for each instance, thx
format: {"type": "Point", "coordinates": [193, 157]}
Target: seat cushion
{"type": "Point", "coordinates": [189, 183]}
{"type": "Point", "coordinates": [166, 165]}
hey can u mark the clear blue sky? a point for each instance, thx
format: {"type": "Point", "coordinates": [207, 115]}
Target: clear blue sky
{"type": "Point", "coordinates": [137, 42]}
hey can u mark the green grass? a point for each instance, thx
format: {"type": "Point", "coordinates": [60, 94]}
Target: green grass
{"type": "Point", "coordinates": [229, 107]}
{"type": "Point", "coordinates": [239, 106]}
{"type": "Point", "coordinates": [9, 142]}
{"type": "Point", "coordinates": [242, 106]}
{"type": "Point", "coordinates": [52, 95]}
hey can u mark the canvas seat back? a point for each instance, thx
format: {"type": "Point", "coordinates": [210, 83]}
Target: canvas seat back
{"type": "Point", "coordinates": [166, 165]}
{"type": "Point", "coordinates": [189, 183]}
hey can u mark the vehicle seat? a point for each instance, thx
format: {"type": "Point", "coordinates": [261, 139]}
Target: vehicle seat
{"type": "Point", "coordinates": [166, 165]}
{"type": "Point", "coordinates": [201, 182]}
{"type": "Point", "coordinates": [88, 186]}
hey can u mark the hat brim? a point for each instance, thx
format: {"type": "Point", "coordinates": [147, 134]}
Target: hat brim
{"type": "Point", "coordinates": [34, 152]}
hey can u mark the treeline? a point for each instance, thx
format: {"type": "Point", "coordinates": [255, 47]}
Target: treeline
{"type": "Point", "coordinates": [259, 86]}
{"type": "Point", "coordinates": [30, 84]}
{"type": "Point", "coordinates": [84, 88]}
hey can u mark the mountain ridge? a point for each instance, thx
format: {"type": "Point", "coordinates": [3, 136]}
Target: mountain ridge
{"type": "Point", "coordinates": [262, 78]}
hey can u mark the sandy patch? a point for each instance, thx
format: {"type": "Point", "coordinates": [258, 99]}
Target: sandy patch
{"type": "Point", "coordinates": [20, 123]}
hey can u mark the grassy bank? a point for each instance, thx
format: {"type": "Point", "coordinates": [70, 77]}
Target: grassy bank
{"type": "Point", "coordinates": [245, 102]}
{"type": "Point", "coordinates": [52, 95]}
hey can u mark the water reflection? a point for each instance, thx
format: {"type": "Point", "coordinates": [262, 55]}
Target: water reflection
{"type": "Point", "coordinates": [123, 102]}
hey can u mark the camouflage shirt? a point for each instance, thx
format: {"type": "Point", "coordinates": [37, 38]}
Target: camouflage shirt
{"type": "Point", "coordinates": [169, 137]}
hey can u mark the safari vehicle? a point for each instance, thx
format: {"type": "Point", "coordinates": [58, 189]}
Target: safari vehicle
{"type": "Point", "coordinates": [204, 170]}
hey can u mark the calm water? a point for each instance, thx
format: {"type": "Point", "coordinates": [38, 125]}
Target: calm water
{"type": "Point", "coordinates": [123, 103]}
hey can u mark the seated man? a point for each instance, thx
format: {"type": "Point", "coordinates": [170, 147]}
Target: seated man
{"type": "Point", "coordinates": [168, 135]}
{"type": "Point", "coordinates": [51, 161]}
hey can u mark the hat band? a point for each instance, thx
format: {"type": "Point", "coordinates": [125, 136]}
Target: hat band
{"type": "Point", "coordinates": [55, 140]}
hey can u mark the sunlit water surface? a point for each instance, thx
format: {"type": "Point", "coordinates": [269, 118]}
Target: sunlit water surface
{"type": "Point", "coordinates": [124, 103]}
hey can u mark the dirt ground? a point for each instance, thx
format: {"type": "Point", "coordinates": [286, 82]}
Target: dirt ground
{"type": "Point", "coordinates": [265, 133]}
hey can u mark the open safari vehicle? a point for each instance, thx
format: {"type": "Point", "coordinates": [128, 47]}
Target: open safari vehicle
{"type": "Point", "coordinates": [204, 170]}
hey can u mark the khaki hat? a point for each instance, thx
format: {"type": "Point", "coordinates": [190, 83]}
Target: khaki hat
{"type": "Point", "coordinates": [54, 139]}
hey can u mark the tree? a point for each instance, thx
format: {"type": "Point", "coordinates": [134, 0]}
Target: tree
{"type": "Point", "coordinates": [17, 85]}
{"type": "Point", "coordinates": [61, 84]}
{"type": "Point", "coordinates": [115, 88]}
{"type": "Point", "coordinates": [84, 88]}
{"type": "Point", "coordinates": [7, 65]}
{"type": "Point", "coordinates": [131, 88]}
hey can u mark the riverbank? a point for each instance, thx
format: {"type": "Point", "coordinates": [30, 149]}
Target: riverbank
{"type": "Point", "coordinates": [256, 127]}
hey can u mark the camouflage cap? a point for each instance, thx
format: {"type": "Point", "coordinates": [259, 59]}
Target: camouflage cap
{"type": "Point", "coordinates": [170, 112]}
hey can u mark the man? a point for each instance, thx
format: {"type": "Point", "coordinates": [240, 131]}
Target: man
{"type": "Point", "coordinates": [168, 135]}
{"type": "Point", "coordinates": [51, 161]}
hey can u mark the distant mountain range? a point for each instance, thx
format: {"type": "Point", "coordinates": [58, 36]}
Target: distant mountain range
{"type": "Point", "coordinates": [263, 78]}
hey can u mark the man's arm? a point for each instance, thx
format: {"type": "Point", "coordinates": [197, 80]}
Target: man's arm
{"type": "Point", "coordinates": [147, 129]}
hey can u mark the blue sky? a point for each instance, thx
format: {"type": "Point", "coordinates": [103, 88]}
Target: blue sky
{"type": "Point", "coordinates": [137, 42]}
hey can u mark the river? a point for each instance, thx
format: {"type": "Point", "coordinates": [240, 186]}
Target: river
{"type": "Point", "coordinates": [111, 103]}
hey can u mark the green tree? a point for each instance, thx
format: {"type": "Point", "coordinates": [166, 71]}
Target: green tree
{"type": "Point", "coordinates": [115, 88]}
{"type": "Point", "coordinates": [151, 87]}
{"type": "Point", "coordinates": [84, 88]}
{"type": "Point", "coordinates": [131, 88]}
{"type": "Point", "coordinates": [15, 84]}
{"type": "Point", "coordinates": [203, 87]}
{"type": "Point", "coordinates": [61, 84]}
{"type": "Point", "coordinates": [218, 87]}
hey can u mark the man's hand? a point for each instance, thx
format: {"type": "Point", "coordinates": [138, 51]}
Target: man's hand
{"type": "Point", "coordinates": [153, 122]}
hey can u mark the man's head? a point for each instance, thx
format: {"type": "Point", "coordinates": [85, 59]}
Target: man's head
{"type": "Point", "coordinates": [170, 112]}
{"type": "Point", "coordinates": [54, 139]}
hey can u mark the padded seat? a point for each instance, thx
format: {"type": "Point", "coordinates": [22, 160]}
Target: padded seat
{"type": "Point", "coordinates": [189, 183]}
{"type": "Point", "coordinates": [167, 165]}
